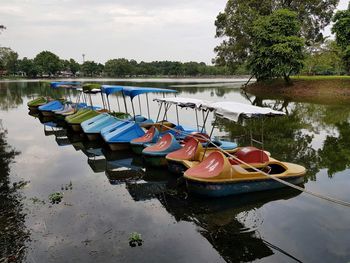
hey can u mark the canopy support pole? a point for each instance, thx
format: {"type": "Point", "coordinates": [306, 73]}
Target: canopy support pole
{"type": "Point", "coordinates": [103, 101]}
{"type": "Point", "coordinates": [133, 109]}
{"type": "Point", "coordinates": [204, 121]}
{"type": "Point", "coordinates": [160, 109]}
{"type": "Point", "coordinates": [139, 104]}
{"type": "Point", "coordinates": [149, 115]}
{"type": "Point", "coordinates": [126, 108]}
{"type": "Point", "coordinates": [166, 108]}
{"type": "Point", "coordinates": [211, 134]}
{"type": "Point", "coordinates": [118, 103]}
{"type": "Point", "coordinates": [177, 115]}
{"type": "Point", "coordinates": [197, 119]}
{"type": "Point", "coordinates": [109, 105]}
{"type": "Point", "coordinates": [90, 100]}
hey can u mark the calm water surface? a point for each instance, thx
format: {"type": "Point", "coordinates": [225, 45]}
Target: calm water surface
{"type": "Point", "coordinates": [109, 195]}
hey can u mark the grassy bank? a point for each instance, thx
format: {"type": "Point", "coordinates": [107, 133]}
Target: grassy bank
{"type": "Point", "coordinates": [322, 89]}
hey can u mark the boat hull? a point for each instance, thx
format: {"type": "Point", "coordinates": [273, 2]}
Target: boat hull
{"type": "Point", "coordinates": [155, 161]}
{"type": "Point", "coordinates": [176, 167]}
{"type": "Point", "coordinates": [137, 148]}
{"type": "Point", "coordinates": [76, 127]}
{"type": "Point", "coordinates": [93, 136]}
{"type": "Point", "coordinates": [34, 108]}
{"type": "Point", "coordinates": [214, 189]}
{"type": "Point", "coordinates": [47, 113]}
{"type": "Point", "coordinates": [119, 146]}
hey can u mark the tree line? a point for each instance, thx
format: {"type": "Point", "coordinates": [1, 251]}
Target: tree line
{"type": "Point", "coordinates": [48, 64]}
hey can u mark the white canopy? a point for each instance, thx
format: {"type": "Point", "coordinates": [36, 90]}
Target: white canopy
{"type": "Point", "coordinates": [184, 102]}
{"type": "Point", "coordinates": [233, 110]}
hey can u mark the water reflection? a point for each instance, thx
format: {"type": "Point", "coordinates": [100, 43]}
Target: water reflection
{"type": "Point", "coordinates": [13, 232]}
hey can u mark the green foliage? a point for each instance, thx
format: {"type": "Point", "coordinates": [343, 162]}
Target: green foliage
{"type": "Point", "coordinates": [56, 198]}
{"type": "Point", "coordinates": [277, 50]}
{"type": "Point", "coordinates": [91, 68]}
{"type": "Point", "coordinates": [28, 67]}
{"type": "Point", "coordinates": [341, 29]}
{"type": "Point", "coordinates": [235, 24]}
{"type": "Point", "coordinates": [74, 66]}
{"type": "Point", "coordinates": [48, 63]}
{"type": "Point", "coordinates": [135, 239]}
{"type": "Point", "coordinates": [324, 59]}
{"type": "Point", "coordinates": [8, 60]}
{"type": "Point", "coordinates": [120, 67]}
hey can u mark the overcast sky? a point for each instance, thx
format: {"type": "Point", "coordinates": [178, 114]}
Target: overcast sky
{"type": "Point", "coordinates": [148, 30]}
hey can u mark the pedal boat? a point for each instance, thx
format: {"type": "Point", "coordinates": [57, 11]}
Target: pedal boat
{"type": "Point", "coordinates": [181, 133]}
{"type": "Point", "coordinates": [76, 119]}
{"type": "Point", "coordinates": [219, 176]}
{"type": "Point", "coordinates": [154, 155]}
{"type": "Point", "coordinates": [155, 132]}
{"type": "Point", "coordinates": [118, 136]}
{"type": "Point", "coordinates": [192, 152]}
{"type": "Point", "coordinates": [35, 103]}
{"type": "Point", "coordinates": [93, 127]}
{"type": "Point", "coordinates": [47, 110]}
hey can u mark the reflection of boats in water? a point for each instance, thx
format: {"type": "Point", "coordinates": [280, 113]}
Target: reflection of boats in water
{"type": "Point", "coordinates": [122, 166]}
{"type": "Point", "coordinates": [230, 224]}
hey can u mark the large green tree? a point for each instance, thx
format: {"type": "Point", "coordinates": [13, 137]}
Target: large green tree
{"type": "Point", "coordinates": [341, 29]}
{"type": "Point", "coordinates": [91, 68]}
{"type": "Point", "coordinates": [8, 60]}
{"type": "Point", "coordinates": [119, 67]}
{"type": "Point", "coordinates": [277, 49]}
{"type": "Point", "coordinates": [28, 67]}
{"type": "Point", "coordinates": [235, 24]}
{"type": "Point", "coordinates": [48, 62]}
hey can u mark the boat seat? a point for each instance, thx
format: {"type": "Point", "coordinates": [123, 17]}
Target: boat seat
{"type": "Point", "coordinates": [213, 166]}
{"type": "Point", "coordinates": [165, 145]}
{"type": "Point", "coordinates": [250, 155]}
{"type": "Point", "coordinates": [187, 152]}
{"type": "Point", "coordinates": [147, 137]}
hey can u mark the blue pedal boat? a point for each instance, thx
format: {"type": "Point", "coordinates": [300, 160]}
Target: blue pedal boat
{"type": "Point", "coordinates": [154, 155]}
{"type": "Point", "coordinates": [118, 136]}
{"type": "Point", "coordinates": [49, 108]}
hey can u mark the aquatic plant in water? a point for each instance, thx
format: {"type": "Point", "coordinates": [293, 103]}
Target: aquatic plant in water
{"type": "Point", "coordinates": [135, 239]}
{"type": "Point", "coordinates": [56, 198]}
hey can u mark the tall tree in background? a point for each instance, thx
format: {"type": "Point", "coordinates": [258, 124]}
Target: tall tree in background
{"type": "Point", "coordinates": [341, 29]}
{"type": "Point", "coordinates": [48, 62]}
{"type": "Point", "coordinates": [277, 49]}
{"type": "Point", "coordinates": [235, 24]}
{"type": "Point", "coordinates": [8, 60]}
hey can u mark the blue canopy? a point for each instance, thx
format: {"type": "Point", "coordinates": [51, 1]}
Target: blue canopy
{"type": "Point", "coordinates": [134, 91]}
{"type": "Point", "coordinates": [56, 84]}
{"type": "Point", "coordinates": [110, 89]}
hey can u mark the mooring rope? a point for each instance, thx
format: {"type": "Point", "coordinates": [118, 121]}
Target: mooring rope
{"type": "Point", "coordinates": [315, 194]}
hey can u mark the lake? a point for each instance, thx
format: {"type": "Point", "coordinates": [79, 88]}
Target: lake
{"type": "Point", "coordinates": [109, 195]}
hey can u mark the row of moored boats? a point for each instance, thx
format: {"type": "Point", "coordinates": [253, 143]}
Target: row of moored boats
{"type": "Point", "coordinates": [210, 166]}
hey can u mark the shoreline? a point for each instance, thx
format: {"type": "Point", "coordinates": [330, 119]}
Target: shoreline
{"type": "Point", "coordinates": [311, 89]}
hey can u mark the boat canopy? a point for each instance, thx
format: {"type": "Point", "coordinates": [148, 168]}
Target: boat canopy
{"type": "Point", "coordinates": [234, 110]}
{"type": "Point", "coordinates": [110, 89]}
{"type": "Point", "coordinates": [134, 91]}
{"type": "Point", "coordinates": [184, 102]}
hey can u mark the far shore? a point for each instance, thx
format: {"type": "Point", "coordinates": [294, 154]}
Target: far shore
{"type": "Point", "coordinates": [199, 79]}
{"type": "Point", "coordinates": [304, 88]}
